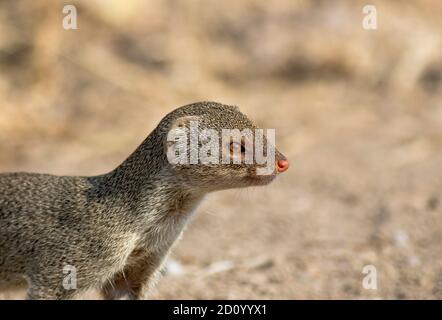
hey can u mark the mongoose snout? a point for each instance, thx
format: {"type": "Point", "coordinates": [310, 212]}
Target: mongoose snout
{"type": "Point", "coordinates": [283, 165]}
{"type": "Point", "coordinates": [113, 232]}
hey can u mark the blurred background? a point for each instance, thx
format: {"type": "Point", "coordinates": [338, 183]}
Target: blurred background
{"type": "Point", "coordinates": [358, 112]}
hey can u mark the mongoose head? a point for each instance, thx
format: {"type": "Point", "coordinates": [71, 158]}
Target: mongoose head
{"type": "Point", "coordinates": [214, 146]}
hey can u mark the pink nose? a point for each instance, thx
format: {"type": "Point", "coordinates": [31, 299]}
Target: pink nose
{"type": "Point", "coordinates": [282, 165]}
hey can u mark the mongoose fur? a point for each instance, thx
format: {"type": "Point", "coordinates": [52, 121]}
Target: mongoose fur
{"type": "Point", "coordinates": [116, 229]}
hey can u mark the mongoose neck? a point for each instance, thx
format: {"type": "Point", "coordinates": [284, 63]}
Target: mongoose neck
{"type": "Point", "coordinates": [141, 167]}
{"type": "Point", "coordinates": [145, 179]}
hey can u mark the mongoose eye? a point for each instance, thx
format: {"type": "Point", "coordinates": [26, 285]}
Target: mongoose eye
{"type": "Point", "coordinates": [237, 146]}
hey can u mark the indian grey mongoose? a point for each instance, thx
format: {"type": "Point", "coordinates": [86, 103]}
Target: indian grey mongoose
{"type": "Point", "coordinates": [115, 229]}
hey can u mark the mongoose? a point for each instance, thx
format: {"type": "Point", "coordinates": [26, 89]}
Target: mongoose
{"type": "Point", "coordinates": [115, 229]}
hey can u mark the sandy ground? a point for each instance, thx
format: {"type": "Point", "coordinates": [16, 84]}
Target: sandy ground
{"type": "Point", "coordinates": [358, 113]}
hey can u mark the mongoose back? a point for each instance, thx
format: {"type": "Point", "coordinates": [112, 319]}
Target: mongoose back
{"type": "Point", "coordinates": [115, 230]}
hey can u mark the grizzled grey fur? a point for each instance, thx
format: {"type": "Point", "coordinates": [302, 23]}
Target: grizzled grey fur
{"type": "Point", "coordinates": [116, 229]}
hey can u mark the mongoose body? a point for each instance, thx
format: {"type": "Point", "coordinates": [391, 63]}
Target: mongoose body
{"type": "Point", "coordinates": [115, 230]}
